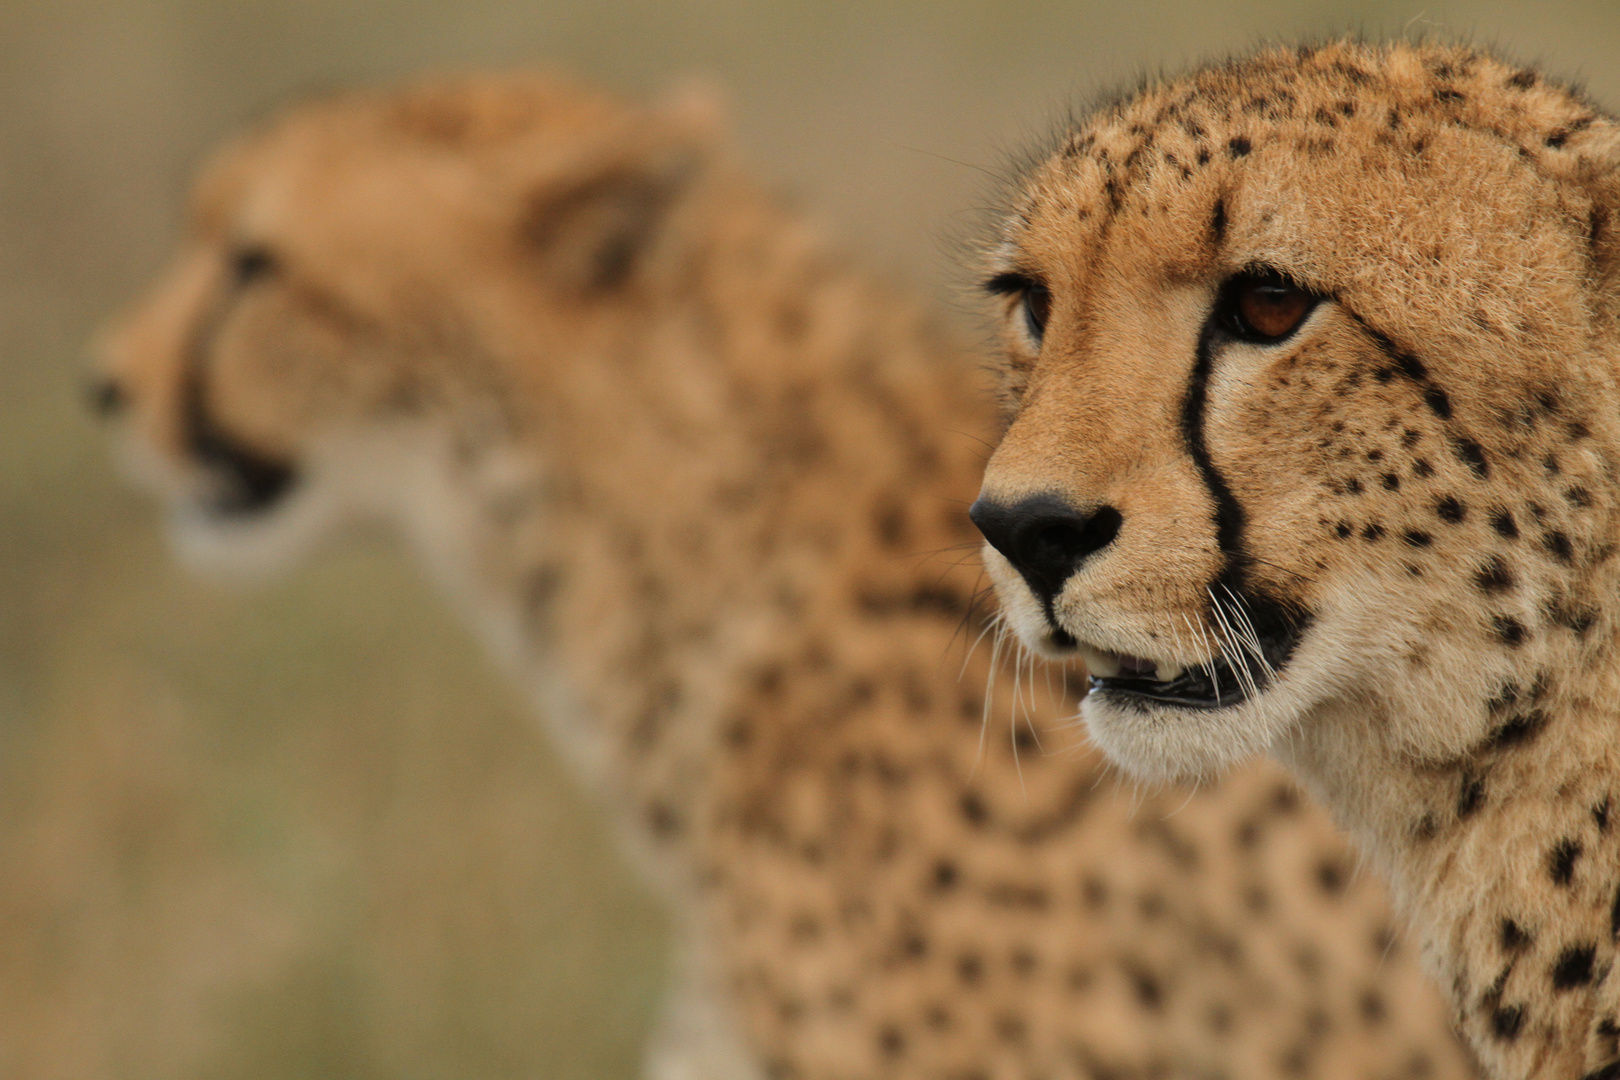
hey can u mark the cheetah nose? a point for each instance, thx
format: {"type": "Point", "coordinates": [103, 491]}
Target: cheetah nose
{"type": "Point", "coordinates": [106, 396]}
{"type": "Point", "coordinates": [1044, 538]}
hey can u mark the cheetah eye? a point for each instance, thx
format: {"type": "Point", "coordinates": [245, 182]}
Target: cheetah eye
{"type": "Point", "coordinates": [251, 263]}
{"type": "Point", "coordinates": [1034, 301]}
{"type": "Point", "coordinates": [1263, 307]}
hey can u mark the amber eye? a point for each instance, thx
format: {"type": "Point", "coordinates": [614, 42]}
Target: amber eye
{"type": "Point", "coordinates": [1037, 308]}
{"type": "Point", "coordinates": [1034, 300]}
{"type": "Point", "coordinates": [1265, 307]}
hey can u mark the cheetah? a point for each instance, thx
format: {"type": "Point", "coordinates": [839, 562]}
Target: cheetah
{"type": "Point", "coordinates": [702, 486]}
{"type": "Point", "coordinates": [1313, 448]}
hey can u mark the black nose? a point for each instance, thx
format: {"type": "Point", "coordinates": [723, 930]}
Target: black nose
{"type": "Point", "coordinates": [1044, 538]}
{"type": "Point", "coordinates": [105, 395]}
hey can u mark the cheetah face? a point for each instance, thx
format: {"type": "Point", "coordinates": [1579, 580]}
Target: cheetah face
{"type": "Point", "coordinates": [1309, 396]}
{"type": "Point", "coordinates": [315, 353]}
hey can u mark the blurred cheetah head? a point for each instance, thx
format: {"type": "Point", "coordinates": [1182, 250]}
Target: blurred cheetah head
{"type": "Point", "coordinates": [371, 265]}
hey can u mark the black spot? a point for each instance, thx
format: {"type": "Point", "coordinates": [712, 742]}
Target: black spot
{"type": "Point", "coordinates": [1149, 992]}
{"type": "Point", "coordinates": [1550, 463]}
{"type": "Point", "coordinates": [945, 875]}
{"type": "Point", "coordinates": [974, 810]}
{"type": "Point", "coordinates": [1372, 532]}
{"type": "Point", "coordinates": [1506, 1022]}
{"type": "Point", "coordinates": [1425, 827]}
{"type": "Point", "coordinates": [1438, 401]}
{"type": "Point", "coordinates": [1578, 496]}
{"type": "Point", "coordinates": [889, 522]}
{"type": "Point", "coordinates": [1514, 936]}
{"type": "Point", "coordinates": [1217, 223]}
{"type": "Point", "coordinates": [1353, 486]}
{"type": "Point", "coordinates": [1391, 482]}
{"type": "Point", "coordinates": [1417, 538]}
{"type": "Point", "coordinates": [1447, 96]}
{"type": "Point", "coordinates": [1561, 861]}
{"type": "Point", "coordinates": [1614, 915]}
{"type": "Point", "coordinates": [969, 968]}
{"type": "Point", "coordinates": [1600, 815]}
{"type": "Point", "coordinates": [1611, 1071]}
{"type": "Point", "coordinates": [1344, 530]}
{"type": "Point", "coordinates": [1558, 544]}
{"type": "Point", "coordinates": [1494, 576]}
{"type": "Point", "coordinates": [1576, 618]}
{"type": "Point", "coordinates": [1473, 456]}
{"type": "Point", "coordinates": [1523, 80]}
{"type": "Point", "coordinates": [1505, 699]}
{"type": "Point", "coordinates": [1332, 876]}
{"type": "Point", "coordinates": [1557, 139]}
{"type": "Point", "coordinates": [891, 1042]}
{"type": "Point", "coordinates": [1502, 521]}
{"type": "Point", "coordinates": [1509, 631]}
{"type": "Point", "coordinates": [1375, 455]}
{"type": "Point", "coordinates": [1470, 795]}
{"type": "Point", "coordinates": [1421, 467]}
{"type": "Point", "coordinates": [1239, 146]}
{"type": "Point", "coordinates": [1520, 729]}
{"type": "Point", "coordinates": [1373, 1009]}
{"type": "Point", "coordinates": [663, 821]}
{"type": "Point", "coordinates": [1577, 430]}
{"type": "Point", "coordinates": [1573, 967]}
{"type": "Point", "coordinates": [1450, 509]}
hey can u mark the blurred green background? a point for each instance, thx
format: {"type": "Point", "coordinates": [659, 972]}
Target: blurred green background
{"type": "Point", "coordinates": [304, 831]}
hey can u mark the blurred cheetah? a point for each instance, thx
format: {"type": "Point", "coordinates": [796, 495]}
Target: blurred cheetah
{"type": "Point", "coordinates": [685, 468]}
{"type": "Point", "coordinates": [1359, 509]}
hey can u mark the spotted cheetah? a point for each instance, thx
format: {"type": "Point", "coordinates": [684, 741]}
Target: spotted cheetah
{"type": "Point", "coordinates": [703, 486]}
{"type": "Point", "coordinates": [1311, 365]}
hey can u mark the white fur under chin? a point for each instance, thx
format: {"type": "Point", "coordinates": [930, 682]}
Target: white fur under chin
{"type": "Point", "coordinates": [254, 547]}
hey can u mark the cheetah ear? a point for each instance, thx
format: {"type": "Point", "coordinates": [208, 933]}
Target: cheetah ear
{"type": "Point", "coordinates": [599, 230]}
{"type": "Point", "coordinates": [1597, 170]}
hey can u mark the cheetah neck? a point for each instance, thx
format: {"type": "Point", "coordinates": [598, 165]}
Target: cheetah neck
{"type": "Point", "coordinates": [787, 451]}
{"type": "Point", "coordinates": [1506, 858]}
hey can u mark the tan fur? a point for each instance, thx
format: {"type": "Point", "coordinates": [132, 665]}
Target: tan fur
{"type": "Point", "coordinates": [703, 487]}
{"type": "Point", "coordinates": [1422, 480]}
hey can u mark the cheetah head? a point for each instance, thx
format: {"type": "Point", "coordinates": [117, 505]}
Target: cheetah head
{"type": "Point", "coordinates": [1310, 374]}
{"type": "Point", "coordinates": [365, 284]}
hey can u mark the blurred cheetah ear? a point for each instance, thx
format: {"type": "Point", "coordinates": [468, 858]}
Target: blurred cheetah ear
{"type": "Point", "coordinates": [600, 230]}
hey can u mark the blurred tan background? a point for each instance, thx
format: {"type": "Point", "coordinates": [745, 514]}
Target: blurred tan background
{"type": "Point", "coordinates": [304, 831]}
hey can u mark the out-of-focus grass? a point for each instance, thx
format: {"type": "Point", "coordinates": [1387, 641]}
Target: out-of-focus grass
{"type": "Point", "coordinates": [303, 831]}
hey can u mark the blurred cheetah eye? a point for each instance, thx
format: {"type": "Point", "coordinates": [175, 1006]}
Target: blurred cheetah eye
{"type": "Point", "coordinates": [251, 263]}
{"type": "Point", "coordinates": [1034, 300]}
{"type": "Point", "coordinates": [1263, 306]}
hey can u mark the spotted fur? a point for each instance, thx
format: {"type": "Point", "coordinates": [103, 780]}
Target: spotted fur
{"type": "Point", "coordinates": [703, 486]}
{"type": "Point", "coordinates": [1408, 503]}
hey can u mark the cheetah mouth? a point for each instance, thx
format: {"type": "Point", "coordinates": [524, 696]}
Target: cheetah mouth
{"type": "Point", "coordinates": [1219, 683]}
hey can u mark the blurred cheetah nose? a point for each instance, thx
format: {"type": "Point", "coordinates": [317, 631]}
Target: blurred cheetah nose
{"type": "Point", "coordinates": [1045, 539]}
{"type": "Point", "coordinates": [105, 395]}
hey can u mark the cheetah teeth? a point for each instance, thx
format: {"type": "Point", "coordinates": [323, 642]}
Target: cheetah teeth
{"type": "Point", "coordinates": [1108, 665]}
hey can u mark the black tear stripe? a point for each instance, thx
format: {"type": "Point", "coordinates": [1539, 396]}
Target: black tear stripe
{"type": "Point", "coordinates": [250, 480]}
{"type": "Point", "coordinates": [1278, 623]}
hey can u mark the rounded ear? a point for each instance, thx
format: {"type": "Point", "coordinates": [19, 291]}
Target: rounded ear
{"type": "Point", "coordinates": [592, 235]}
{"type": "Point", "coordinates": [1597, 172]}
